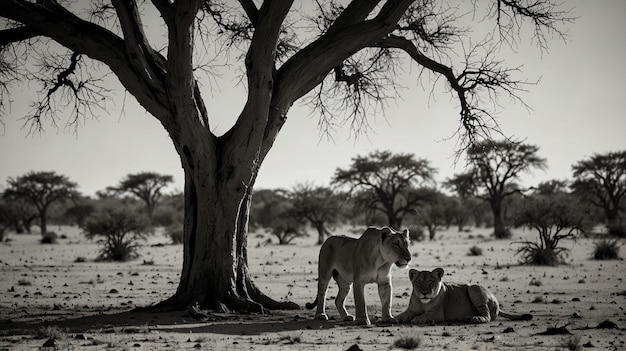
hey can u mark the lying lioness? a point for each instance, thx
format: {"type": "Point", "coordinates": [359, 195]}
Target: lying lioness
{"type": "Point", "coordinates": [434, 301]}
{"type": "Point", "coordinates": [367, 259]}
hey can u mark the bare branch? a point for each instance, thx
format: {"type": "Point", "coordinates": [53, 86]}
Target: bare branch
{"type": "Point", "coordinates": [65, 85]}
{"type": "Point", "coordinates": [544, 15]}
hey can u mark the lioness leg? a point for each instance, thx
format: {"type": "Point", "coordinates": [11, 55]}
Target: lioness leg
{"type": "Point", "coordinates": [322, 286]}
{"type": "Point", "coordinates": [344, 289]}
{"type": "Point", "coordinates": [384, 292]}
{"type": "Point", "coordinates": [359, 303]}
{"type": "Point", "coordinates": [480, 299]}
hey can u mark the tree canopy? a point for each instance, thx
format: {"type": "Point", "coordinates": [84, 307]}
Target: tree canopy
{"type": "Point", "coordinates": [602, 179]}
{"type": "Point", "coordinates": [146, 186]}
{"type": "Point", "coordinates": [386, 182]}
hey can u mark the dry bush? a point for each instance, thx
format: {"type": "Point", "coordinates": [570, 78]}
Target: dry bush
{"type": "Point", "coordinates": [121, 229]}
{"type": "Point", "coordinates": [606, 250]}
{"type": "Point", "coordinates": [555, 218]}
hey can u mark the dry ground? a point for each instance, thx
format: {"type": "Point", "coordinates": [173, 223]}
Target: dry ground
{"type": "Point", "coordinates": [46, 291]}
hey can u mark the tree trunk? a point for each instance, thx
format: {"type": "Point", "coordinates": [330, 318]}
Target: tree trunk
{"type": "Point", "coordinates": [43, 226]}
{"type": "Point", "coordinates": [215, 272]}
{"type": "Point", "coordinates": [321, 232]}
{"type": "Point", "coordinates": [499, 229]}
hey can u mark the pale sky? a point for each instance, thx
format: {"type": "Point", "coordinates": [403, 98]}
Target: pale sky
{"type": "Point", "coordinates": [577, 110]}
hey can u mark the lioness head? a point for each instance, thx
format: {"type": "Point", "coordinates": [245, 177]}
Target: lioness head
{"type": "Point", "coordinates": [426, 284]}
{"type": "Point", "coordinates": [395, 246]}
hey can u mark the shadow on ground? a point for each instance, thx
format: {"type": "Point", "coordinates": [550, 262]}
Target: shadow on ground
{"type": "Point", "coordinates": [175, 322]}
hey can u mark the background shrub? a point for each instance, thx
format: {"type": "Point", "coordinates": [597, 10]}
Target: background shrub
{"type": "Point", "coordinates": [49, 238]}
{"type": "Point", "coordinates": [121, 229]}
{"type": "Point", "coordinates": [176, 233]}
{"type": "Point", "coordinates": [606, 250]}
{"type": "Point", "coordinates": [475, 251]}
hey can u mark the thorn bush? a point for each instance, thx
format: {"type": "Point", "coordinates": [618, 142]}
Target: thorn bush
{"type": "Point", "coordinates": [121, 229]}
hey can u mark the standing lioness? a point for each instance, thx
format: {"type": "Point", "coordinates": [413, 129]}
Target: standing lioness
{"type": "Point", "coordinates": [367, 259]}
{"type": "Point", "coordinates": [433, 300]}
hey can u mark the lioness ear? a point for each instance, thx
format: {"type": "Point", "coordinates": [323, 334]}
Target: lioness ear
{"type": "Point", "coordinates": [438, 272]}
{"type": "Point", "coordinates": [413, 274]}
{"type": "Point", "coordinates": [405, 232]}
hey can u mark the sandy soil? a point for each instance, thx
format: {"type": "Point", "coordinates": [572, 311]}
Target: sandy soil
{"type": "Point", "coordinates": [45, 291]}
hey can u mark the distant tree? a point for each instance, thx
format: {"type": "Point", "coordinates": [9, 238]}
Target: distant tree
{"type": "Point", "coordinates": [265, 204]}
{"type": "Point", "coordinates": [464, 205]}
{"type": "Point", "coordinates": [319, 205]}
{"type": "Point", "coordinates": [6, 219]}
{"type": "Point", "coordinates": [495, 166]}
{"type": "Point", "coordinates": [41, 189]}
{"type": "Point", "coordinates": [430, 210]}
{"type": "Point", "coordinates": [146, 186]}
{"type": "Point", "coordinates": [601, 178]}
{"type": "Point", "coordinates": [286, 227]}
{"type": "Point", "coordinates": [387, 180]}
{"type": "Point", "coordinates": [274, 212]}
{"type": "Point", "coordinates": [23, 214]}
{"type": "Point", "coordinates": [79, 213]}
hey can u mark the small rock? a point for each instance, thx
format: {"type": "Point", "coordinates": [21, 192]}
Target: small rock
{"type": "Point", "coordinates": [50, 343]}
{"type": "Point", "coordinates": [576, 315]}
{"type": "Point", "coordinates": [607, 325]}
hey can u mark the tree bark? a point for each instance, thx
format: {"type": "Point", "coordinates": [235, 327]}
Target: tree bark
{"type": "Point", "coordinates": [215, 271]}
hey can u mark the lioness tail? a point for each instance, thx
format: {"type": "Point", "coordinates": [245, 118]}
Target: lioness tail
{"type": "Point", "coordinates": [311, 305]}
{"type": "Point", "coordinates": [516, 317]}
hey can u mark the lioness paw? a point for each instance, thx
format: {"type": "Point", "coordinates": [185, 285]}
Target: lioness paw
{"type": "Point", "coordinates": [321, 317]}
{"type": "Point", "coordinates": [362, 321]}
{"type": "Point", "coordinates": [479, 320]}
{"type": "Point", "coordinates": [348, 318]}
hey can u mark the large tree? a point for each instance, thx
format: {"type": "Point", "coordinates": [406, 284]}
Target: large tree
{"type": "Point", "coordinates": [41, 189]}
{"type": "Point", "coordinates": [349, 51]}
{"type": "Point", "coordinates": [386, 182]}
{"type": "Point", "coordinates": [495, 166]}
{"type": "Point", "coordinates": [602, 178]}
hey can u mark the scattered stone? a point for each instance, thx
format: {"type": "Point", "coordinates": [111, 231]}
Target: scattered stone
{"type": "Point", "coordinates": [509, 330]}
{"type": "Point", "coordinates": [114, 291]}
{"type": "Point", "coordinates": [588, 344]}
{"type": "Point", "coordinates": [50, 343]}
{"type": "Point", "coordinates": [354, 347]}
{"type": "Point", "coordinates": [576, 315]}
{"type": "Point", "coordinates": [556, 331]}
{"type": "Point", "coordinates": [576, 299]}
{"type": "Point", "coordinates": [607, 324]}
